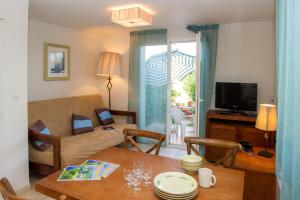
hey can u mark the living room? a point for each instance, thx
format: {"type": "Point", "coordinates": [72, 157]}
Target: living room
{"type": "Point", "coordinates": [174, 74]}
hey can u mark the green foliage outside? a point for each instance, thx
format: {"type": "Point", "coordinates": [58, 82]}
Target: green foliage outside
{"type": "Point", "coordinates": [189, 85]}
{"type": "Point", "coordinates": [174, 95]}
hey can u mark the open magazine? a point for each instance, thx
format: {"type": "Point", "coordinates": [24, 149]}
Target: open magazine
{"type": "Point", "coordinates": [89, 170]}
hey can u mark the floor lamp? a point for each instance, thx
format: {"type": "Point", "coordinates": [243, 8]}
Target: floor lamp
{"type": "Point", "coordinates": [266, 121]}
{"type": "Point", "coordinates": [109, 65]}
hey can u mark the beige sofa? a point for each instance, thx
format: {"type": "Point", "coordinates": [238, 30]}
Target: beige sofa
{"type": "Point", "coordinates": [68, 149]}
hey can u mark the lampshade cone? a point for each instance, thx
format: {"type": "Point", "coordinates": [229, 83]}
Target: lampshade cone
{"type": "Point", "coordinates": [109, 64]}
{"type": "Point", "coordinates": [267, 117]}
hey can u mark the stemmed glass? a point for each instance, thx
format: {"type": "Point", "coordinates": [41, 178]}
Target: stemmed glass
{"type": "Point", "coordinates": [138, 168]}
{"type": "Point", "coordinates": [136, 181]}
{"type": "Point", "coordinates": [128, 175]}
{"type": "Point", "coordinates": [147, 174]}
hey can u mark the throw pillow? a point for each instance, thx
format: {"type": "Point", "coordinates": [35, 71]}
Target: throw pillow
{"type": "Point", "coordinates": [39, 127]}
{"type": "Point", "coordinates": [104, 116]}
{"type": "Point", "coordinates": [81, 124]}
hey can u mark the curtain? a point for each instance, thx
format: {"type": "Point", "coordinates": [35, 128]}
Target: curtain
{"type": "Point", "coordinates": [148, 79]}
{"type": "Point", "coordinates": [209, 43]}
{"type": "Point", "coordinates": [288, 73]}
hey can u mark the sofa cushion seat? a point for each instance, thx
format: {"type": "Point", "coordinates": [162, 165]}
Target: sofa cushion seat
{"type": "Point", "coordinates": [78, 148]}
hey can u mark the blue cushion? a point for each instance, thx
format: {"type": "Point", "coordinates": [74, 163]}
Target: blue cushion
{"type": "Point", "coordinates": [40, 128]}
{"type": "Point", "coordinates": [81, 124]}
{"type": "Point", "coordinates": [45, 131]}
{"type": "Point", "coordinates": [104, 116]}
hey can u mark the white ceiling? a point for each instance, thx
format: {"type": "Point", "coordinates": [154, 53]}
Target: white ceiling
{"type": "Point", "coordinates": [82, 14]}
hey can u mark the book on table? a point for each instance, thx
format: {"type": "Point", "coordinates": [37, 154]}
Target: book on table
{"type": "Point", "coordinates": [89, 170]}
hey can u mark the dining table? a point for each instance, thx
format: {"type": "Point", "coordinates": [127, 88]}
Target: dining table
{"type": "Point", "coordinates": [229, 185]}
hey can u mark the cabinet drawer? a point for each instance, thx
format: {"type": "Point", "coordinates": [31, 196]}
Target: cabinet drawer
{"type": "Point", "coordinates": [219, 131]}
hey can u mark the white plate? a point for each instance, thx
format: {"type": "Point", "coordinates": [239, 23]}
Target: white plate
{"type": "Point", "coordinates": [163, 196]}
{"type": "Point", "coordinates": [175, 196]}
{"type": "Point", "coordinates": [176, 183]}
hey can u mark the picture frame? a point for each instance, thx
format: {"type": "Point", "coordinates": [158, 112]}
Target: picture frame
{"type": "Point", "coordinates": [57, 64]}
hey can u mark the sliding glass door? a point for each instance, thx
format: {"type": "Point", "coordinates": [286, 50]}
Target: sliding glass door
{"type": "Point", "coordinates": [153, 87]}
{"type": "Point", "coordinates": [182, 92]}
{"type": "Point", "coordinates": [168, 91]}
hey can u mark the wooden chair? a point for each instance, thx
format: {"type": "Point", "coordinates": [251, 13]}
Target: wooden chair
{"type": "Point", "coordinates": [129, 135]}
{"type": "Point", "coordinates": [230, 155]}
{"type": "Point", "coordinates": [8, 193]}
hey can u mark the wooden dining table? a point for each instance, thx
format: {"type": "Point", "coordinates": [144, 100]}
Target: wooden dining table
{"type": "Point", "coordinates": [229, 186]}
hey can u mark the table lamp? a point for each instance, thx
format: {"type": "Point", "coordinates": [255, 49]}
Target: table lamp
{"type": "Point", "coordinates": [267, 121]}
{"type": "Point", "coordinates": [109, 65]}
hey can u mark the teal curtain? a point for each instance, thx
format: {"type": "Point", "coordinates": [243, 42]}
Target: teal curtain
{"type": "Point", "coordinates": [288, 68]}
{"type": "Point", "coordinates": [147, 92]}
{"type": "Point", "coordinates": [209, 43]}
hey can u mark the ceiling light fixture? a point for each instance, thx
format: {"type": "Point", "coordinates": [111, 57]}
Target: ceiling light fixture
{"type": "Point", "coordinates": [131, 17]}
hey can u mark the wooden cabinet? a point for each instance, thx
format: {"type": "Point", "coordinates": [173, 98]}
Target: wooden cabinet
{"type": "Point", "coordinates": [260, 179]}
{"type": "Point", "coordinates": [228, 133]}
{"type": "Point", "coordinates": [233, 127]}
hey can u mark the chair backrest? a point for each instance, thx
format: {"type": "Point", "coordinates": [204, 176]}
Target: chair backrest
{"type": "Point", "coordinates": [229, 157]}
{"type": "Point", "coordinates": [8, 192]}
{"type": "Point", "coordinates": [129, 135]}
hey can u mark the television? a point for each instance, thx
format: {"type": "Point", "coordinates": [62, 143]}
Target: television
{"type": "Point", "coordinates": [236, 96]}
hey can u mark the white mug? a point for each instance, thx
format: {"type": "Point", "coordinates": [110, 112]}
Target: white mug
{"type": "Point", "coordinates": [206, 178]}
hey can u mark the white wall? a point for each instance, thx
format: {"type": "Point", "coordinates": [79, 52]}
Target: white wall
{"type": "Point", "coordinates": [13, 93]}
{"type": "Point", "coordinates": [180, 35]}
{"type": "Point", "coordinates": [246, 53]}
{"type": "Point", "coordinates": [84, 52]}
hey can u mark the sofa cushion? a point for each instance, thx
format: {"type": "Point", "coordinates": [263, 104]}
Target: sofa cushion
{"type": "Point", "coordinates": [104, 116]}
{"type": "Point", "coordinates": [81, 124]}
{"type": "Point", "coordinates": [40, 127]}
{"type": "Point", "coordinates": [56, 113]}
{"type": "Point", "coordinates": [78, 148]}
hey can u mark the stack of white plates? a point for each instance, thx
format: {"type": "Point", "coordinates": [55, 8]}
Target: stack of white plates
{"type": "Point", "coordinates": [175, 186]}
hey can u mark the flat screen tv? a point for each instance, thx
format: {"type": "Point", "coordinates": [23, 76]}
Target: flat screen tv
{"type": "Point", "coordinates": [236, 96]}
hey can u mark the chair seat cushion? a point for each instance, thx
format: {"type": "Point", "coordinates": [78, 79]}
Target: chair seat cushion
{"type": "Point", "coordinates": [78, 148]}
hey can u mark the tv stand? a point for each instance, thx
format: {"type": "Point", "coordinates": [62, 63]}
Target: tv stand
{"type": "Point", "coordinates": [235, 127]}
{"type": "Point", "coordinates": [233, 112]}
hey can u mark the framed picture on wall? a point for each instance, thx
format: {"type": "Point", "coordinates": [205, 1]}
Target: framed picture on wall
{"type": "Point", "coordinates": [57, 62]}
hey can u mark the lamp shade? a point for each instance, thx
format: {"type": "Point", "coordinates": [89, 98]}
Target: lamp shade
{"type": "Point", "coordinates": [267, 117]}
{"type": "Point", "coordinates": [109, 64]}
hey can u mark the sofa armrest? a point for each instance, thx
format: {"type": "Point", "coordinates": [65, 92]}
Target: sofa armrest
{"type": "Point", "coordinates": [125, 113]}
{"type": "Point", "coordinates": [50, 139]}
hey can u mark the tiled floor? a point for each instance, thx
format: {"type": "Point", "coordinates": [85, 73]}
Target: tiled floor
{"type": "Point", "coordinates": [164, 151]}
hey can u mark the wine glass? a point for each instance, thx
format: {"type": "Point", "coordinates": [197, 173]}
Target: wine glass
{"type": "Point", "coordinates": [128, 174]}
{"type": "Point", "coordinates": [147, 174]}
{"type": "Point", "coordinates": [138, 168]}
{"type": "Point", "coordinates": [136, 181]}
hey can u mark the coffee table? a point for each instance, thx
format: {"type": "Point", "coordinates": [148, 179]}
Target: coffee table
{"type": "Point", "coordinates": [229, 186]}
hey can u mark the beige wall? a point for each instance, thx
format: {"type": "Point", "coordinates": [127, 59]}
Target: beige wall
{"type": "Point", "coordinates": [246, 53]}
{"type": "Point", "coordinates": [84, 52]}
{"type": "Point", "coordinates": [13, 93]}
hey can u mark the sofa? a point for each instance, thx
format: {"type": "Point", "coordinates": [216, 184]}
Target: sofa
{"type": "Point", "coordinates": [68, 149]}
